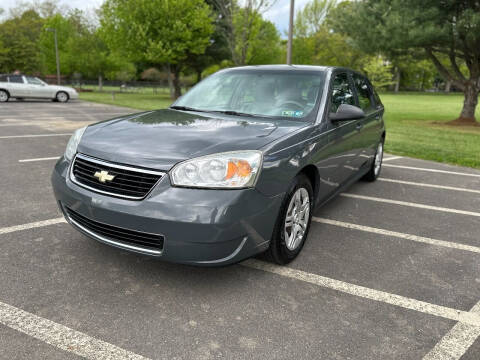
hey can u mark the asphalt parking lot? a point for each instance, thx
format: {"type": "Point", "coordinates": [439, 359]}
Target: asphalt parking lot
{"type": "Point", "coordinates": [391, 270]}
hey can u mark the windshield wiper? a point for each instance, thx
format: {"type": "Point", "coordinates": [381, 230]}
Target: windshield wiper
{"type": "Point", "coordinates": [226, 112]}
{"type": "Point", "coordinates": [185, 108]}
{"type": "Point", "coordinates": [236, 113]}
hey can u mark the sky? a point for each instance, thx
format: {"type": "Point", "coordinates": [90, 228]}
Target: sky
{"type": "Point", "coordinates": [278, 13]}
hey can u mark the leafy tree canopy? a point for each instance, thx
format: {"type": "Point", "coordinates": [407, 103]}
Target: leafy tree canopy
{"type": "Point", "coordinates": [158, 31]}
{"type": "Point", "coordinates": [449, 28]}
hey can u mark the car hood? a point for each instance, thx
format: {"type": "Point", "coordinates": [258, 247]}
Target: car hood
{"type": "Point", "coordinates": [160, 139]}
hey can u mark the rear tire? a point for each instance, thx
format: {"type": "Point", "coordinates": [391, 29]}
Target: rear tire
{"type": "Point", "coordinates": [4, 96]}
{"type": "Point", "coordinates": [62, 97]}
{"type": "Point", "coordinates": [376, 166]}
{"type": "Point", "coordinates": [293, 222]}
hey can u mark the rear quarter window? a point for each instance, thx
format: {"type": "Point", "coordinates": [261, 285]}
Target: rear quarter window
{"type": "Point", "coordinates": [3, 78]}
{"type": "Point", "coordinates": [15, 79]}
{"type": "Point", "coordinates": [364, 92]}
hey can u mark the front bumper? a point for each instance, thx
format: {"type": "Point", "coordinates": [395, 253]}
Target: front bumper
{"type": "Point", "coordinates": [203, 227]}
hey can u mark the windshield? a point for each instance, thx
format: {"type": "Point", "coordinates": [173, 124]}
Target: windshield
{"type": "Point", "coordinates": [285, 94]}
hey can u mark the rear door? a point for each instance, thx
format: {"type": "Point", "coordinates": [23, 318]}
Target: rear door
{"type": "Point", "coordinates": [372, 123]}
{"type": "Point", "coordinates": [17, 86]}
{"type": "Point", "coordinates": [344, 136]}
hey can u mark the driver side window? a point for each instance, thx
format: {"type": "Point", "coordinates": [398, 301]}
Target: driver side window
{"type": "Point", "coordinates": [33, 81]}
{"type": "Point", "coordinates": [342, 92]}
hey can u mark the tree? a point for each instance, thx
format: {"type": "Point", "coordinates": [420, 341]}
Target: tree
{"type": "Point", "coordinates": [263, 45]}
{"type": "Point", "coordinates": [19, 48]}
{"type": "Point", "coordinates": [310, 19]}
{"type": "Point", "coordinates": [379, 72]}
{"type": "Point", "coordinates": [217, 49]}
{"type": "Point", "coordinates": [69, 29]}
{"type": "Point", "coordinates": [160, 32]}
{"type": "Point", "coordinates": [449, 28]}
{"type": "Point", "coordinates": [315, 43]}
{"type": "Point", "coordinates": [243, 25]}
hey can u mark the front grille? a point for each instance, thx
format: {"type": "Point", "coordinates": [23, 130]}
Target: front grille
{"type": "Point", "coordinates": [117, 235]}
{"type": "Point", "coordinates": [128, 182]}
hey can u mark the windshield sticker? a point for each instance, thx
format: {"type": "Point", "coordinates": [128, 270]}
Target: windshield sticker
{"type": "Point", "coordinates": [292, 113]}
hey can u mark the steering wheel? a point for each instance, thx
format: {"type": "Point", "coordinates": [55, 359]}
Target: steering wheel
{"type": "Point", "coordinates": [296, 104]}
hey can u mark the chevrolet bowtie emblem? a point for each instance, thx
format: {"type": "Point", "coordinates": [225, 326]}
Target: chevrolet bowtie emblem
{"type": "Point", "coordinates": [103, 176]}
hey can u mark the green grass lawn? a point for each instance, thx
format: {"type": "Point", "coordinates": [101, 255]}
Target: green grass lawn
{"type": "Point", "coordinates": [143, 99]}
{"type": "Point", "coordinates": [415, 123]}
{"type": "Point", "coordinates": [415, 127]}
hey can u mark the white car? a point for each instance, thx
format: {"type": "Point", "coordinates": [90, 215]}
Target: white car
{"type": "Point", "coordinates": [21, 87]}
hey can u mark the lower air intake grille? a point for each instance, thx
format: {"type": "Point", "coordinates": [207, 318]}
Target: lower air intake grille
{"type": "Point", "coordinates": [118, 235]}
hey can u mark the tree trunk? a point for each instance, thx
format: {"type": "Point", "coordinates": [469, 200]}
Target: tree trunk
{"type": "Point", "coordinates": [397, 80]}
{"type": "Point", "coordinates": [470, 103]}
{"type": "Point", "coordinates": [448, 85]}
{"type": "Point", "coordinates": [170, 81]}
{"type": "Point", "coordinates": [423, 80]}
{"type": "Point", "coordinates": [176, 81]}
{"type": "Point", "coordinates": [100, 82]}
{"type": "Point", "coordinates": [199, 76]}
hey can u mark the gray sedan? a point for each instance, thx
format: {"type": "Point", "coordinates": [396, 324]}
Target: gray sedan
{"type": "Point", "coordinates": [232, 169]}
{"type": "Point", "coordinates": [22, 87]}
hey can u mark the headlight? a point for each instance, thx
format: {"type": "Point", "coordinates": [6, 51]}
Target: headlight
{"type": "Point", "coordinates": [231, 170]}
{"type": "Point", "coordinates": [73, 143]}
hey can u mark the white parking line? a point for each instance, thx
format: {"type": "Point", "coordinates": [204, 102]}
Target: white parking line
{"type": "Point", "coordinates": [367, 293]}
{"type": "Point", "coordinates": [32, 225]}
{"type": "Point", "coordinates": [31, 136]}
{"type": "Point", "coordinates": [39, 159]}
{"type": "Point", "coordinates": [416, 205]}
{"type": "Point", "coordinates": [61, 336]}
{"type": "Point", "coordinates": [457, 341]}
{"type": "Point", "coordinates": [430, 170]}
{"type": "Point", "coordinates": [428, 185]}
{"type": "Point", "coordinates": [420, 239]}
{"type": "Point", "coordinates": [392, 158]}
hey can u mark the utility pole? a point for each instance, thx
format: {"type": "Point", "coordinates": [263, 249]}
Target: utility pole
{"type": "Point", "coordinates": [54, 30]}
{"type": "Point", "coordinates": [290, 33]}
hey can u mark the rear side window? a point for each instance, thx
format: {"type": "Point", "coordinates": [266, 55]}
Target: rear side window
{"type": "Point", "coordinates": [378, 102]}
{"type": "Point", "coordinates": [15, 79]}
{"type": "Point", "coordinates": [342, 92]}
{"type": "Point", "coordinates": [365, 95]}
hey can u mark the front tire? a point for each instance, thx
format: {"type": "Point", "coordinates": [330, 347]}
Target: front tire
{"type": "Point", "coordinates": [62, 97]}
{"type": "Point", "coordinates": [293, 222]}
{"type": "Point", "coordinates": [376, 166]}
{"type": "Point", "coordinates": [4, 96]}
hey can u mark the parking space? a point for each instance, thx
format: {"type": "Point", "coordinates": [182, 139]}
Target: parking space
{"type": "Point", "coordinates": [391, 270]}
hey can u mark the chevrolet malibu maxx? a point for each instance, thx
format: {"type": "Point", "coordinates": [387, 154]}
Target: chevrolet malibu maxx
{"type": "Point", "coordinates": [234, 168]}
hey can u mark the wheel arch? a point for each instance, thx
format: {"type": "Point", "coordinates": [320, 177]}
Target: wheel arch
{"type": "Point", "coordinates": [8, 92]}
{"type": "Point", "coordinates": [311, 172]}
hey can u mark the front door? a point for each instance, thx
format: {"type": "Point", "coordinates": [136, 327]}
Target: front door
{"type": "Point", "coordinates": [38, 89]}
{"type": "Point", "coordinates": [368, 139]}
{"type": "Point", "coordinates": [344, 137]}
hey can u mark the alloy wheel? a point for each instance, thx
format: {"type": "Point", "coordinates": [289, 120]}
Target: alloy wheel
{"type": "Point", "coordinates": [296, 220]}
{"type": "Point", "coordinates": [3, 96]}
{"type": "Point", "coordinates": [378, 159]}
{"type": "Point", "coordinates": [62, 97]}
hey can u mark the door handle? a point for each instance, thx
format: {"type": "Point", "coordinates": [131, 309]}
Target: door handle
{"type": "Point", "coordinates": [377, 117]}
{"type": "Point", "coordinates": [359, 125]}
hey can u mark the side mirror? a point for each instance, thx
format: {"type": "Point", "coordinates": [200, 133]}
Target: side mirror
{"type": "Point", "coordinates": [347, 112]}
